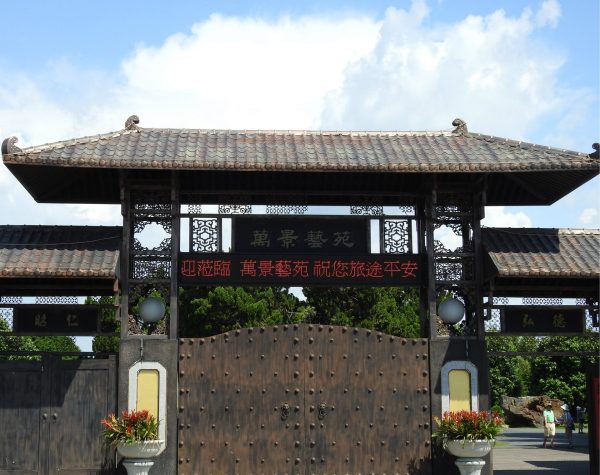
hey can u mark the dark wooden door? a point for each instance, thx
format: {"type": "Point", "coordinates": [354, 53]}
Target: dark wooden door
{"type": "Point", "coordinates": [241, 403]}
{"type": "Point", "coordinates": [83, 392]}
{"type": "Point", "coordinates": [23, 418]}
{"type": "Point", "coordinates": [50, 415]}
{"type": "Point", "coordinates": [368, 402]}
{"type": "Point", "coordinates": [304, 399]}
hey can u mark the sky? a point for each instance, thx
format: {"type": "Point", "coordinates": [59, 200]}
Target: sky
{"type": "Point", "coordinates": [525, 70]}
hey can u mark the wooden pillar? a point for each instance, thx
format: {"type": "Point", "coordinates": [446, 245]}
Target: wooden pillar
{"type": "Point", "coordinates": [429, 236]}
{"type": "Point", "coordinates": [175, 244]}
{"type": "Point", "coordinates": [124, 257]}
{"type": "Point", "coordinates": [422, 213]}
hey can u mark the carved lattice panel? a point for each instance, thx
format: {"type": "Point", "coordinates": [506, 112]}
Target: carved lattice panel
{"type": "Point", "coordinates": [454, 269]}
{"type": "Point", "coordinates": [151, 203]}
{"type": "Point", "coordinates": [367, 210]}
{"type": "Point", "coordinates": [286, 209]}
{"type": "Point", "coordinates": [56, 300]}
{"type": "Point", "coordinates": [542, 301]}
{"type": "Point", "coordinates": [148, 269]}
{"type": "Point", "coordinates": [11, 299]}
{"type": "Point", "coordinates": [235, 209]}
{"type": "Point", "coordinates": [396, 236]}
{"type": "Point", "coordinates": [407, 210]}
{"type": "Point", "coordinates": [205, 235]}
{"type": "Point", "coordinates": [195, 209]}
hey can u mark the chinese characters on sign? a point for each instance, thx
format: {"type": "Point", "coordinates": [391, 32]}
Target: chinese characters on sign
{"type": "Point", "coordinates": [542, 320]}
{"type": "Point", "coordinates": [305, 269]}
{"type": "Point", "coordinates": [335, 236]}
{"type": "Point", "coordinates": [63, 319]}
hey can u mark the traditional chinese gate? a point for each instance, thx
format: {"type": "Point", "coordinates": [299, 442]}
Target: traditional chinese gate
{"type": "Point", "coordinates": [304, 399]}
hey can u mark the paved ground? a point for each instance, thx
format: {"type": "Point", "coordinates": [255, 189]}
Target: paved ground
{"type": "Point", "coordinates": [523, 454]}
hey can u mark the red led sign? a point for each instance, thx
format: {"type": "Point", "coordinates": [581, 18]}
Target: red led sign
{"type": "Point", "coordinates": [299, 270]}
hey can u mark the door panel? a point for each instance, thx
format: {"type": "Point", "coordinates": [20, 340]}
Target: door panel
{"type": "Point", "coordinates": [20, 417]}
{"type": "Point", "coordinates": [368, 402]}
{"type": "Point", "coordinates": [241, 403]}
{"type": "Point", "coordinates": [304, 399]}
{"type": "Point", "coordinates": [50, 415]}
{"type": "Point", "coordinates": [81, 396]}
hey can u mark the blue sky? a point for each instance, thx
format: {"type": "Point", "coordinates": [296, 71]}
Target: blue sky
{"type": "Point", "coordinates": [524, 69]}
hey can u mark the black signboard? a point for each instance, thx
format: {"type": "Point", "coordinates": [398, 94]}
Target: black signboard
{"type": "Point", "coordinates": [299, 269]}
{"type": "Point", "coordinates": [57, 319]}
{"type": "Point", "coordinates": [317, 235]}
{"type": "Point", "coordinates": [545, 320]}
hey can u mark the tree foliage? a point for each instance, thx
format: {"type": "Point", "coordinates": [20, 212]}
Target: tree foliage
{"type": "Point", "coordinates": [216, 310]}
{"type": "Point", "coordinates": [206, 312]}
{"type": "Point", "coordinates": [561, 377]}
{"type": "Point", "coordinates": [110, 323]}
{"type": "Point", "coordinates": [387, 309]}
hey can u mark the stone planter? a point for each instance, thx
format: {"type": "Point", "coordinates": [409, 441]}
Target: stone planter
{"type": "Point", "coordinates": [469, 454]}
{"type": "Point", "coordinates": [137, 455]}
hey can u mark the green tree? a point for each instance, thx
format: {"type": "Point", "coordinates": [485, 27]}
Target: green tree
{"type": "Point", "coordinates": [563, 377]}
{"type": "Point", "coordinates": [110, 323]}
{"type": "Point", "coordinates": [390, 310]}
{"type": "Point", "coordinates": [14, 343]}
{"type": "Point", "coordinates": [509, 375]}
{"type": "Point", "coordinates": [60, 344]}
{"type": "Point", "coordinates": [212, 311]}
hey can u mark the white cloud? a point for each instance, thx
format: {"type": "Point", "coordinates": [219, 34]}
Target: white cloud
{"type": "Point", "coordinates": [548, 14]}
{"type": "Point", "coordinates": [498, 217]}
{"type": "Point", "coordinates": [346, 72]}
{"type": "Point", "coordinates": [489, 70]}
{"type": "Point", "coordinates": [244, 72]}
{"type": "Point", "coordinates": [590, 218]}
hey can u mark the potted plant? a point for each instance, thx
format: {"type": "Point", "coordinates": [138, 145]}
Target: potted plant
{"type": "Point", "coordinates": [135, 436]}
{"type": "Point", "coordinates": [468, 435]}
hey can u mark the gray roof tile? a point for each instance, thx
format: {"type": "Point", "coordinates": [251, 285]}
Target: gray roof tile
{"type": "Point", "coordinates": [553, 253]}
{"type": "Point", "coordinates": [441, 151]}
{"type": "Point", "coordinates": [59, 251]}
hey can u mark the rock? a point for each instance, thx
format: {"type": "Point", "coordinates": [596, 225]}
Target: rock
{"type": "Point", "coordinates": [526, 411]}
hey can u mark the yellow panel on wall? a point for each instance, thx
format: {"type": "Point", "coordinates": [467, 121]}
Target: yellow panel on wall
{"type": "Point", "coordinates": [459, 384]}
{"type": "Point", "coordinates": [147, 391]}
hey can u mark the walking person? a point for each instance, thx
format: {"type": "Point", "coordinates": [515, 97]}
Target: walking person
{"type": "Point", "coordinates": [580, 418]}
{"type": "Point", "coordinates": [567, 420]}
{"type": "Point", "coordinates": [549, 425]}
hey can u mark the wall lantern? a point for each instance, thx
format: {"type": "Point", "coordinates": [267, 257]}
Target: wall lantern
{"type": "Point", "coordinates": [451, 311]}
{"type": "Point", "coordinates": [152, 309]}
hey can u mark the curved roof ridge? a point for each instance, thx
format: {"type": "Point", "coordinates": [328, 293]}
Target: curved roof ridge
{"type": "Point", "coordinates": [76, 141]}
{"type": "Point", "coordinates": [524, 144]}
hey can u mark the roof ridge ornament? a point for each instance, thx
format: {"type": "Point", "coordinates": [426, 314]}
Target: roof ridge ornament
{"type": "Point", "coordinates": [131, 122]}
{"type": "Point", "coordinates": [8, 146]}
{"type": "Point", "coordinates": [596, 153]}
{"type": "Point", "coordinates": [461, 126]}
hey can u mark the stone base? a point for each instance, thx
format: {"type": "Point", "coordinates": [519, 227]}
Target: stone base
{"type": "Point", "coordinates": [469, 466]}
{"type": "Point", "coordinates": [137, 466]}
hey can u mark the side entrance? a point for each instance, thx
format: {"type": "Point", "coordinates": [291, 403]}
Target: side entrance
{"type": "Point", "coordinates": [304, 399]}
{"type": "Point", "coordinates": [50, 415]}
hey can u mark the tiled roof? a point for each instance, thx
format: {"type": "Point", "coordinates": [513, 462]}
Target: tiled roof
{"type": "Point", "coordinates": [59, 251]}
{"type": "Point", "coordinates": [552, 253]}
{"type": "Point", "coordinates": [439, 151]}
